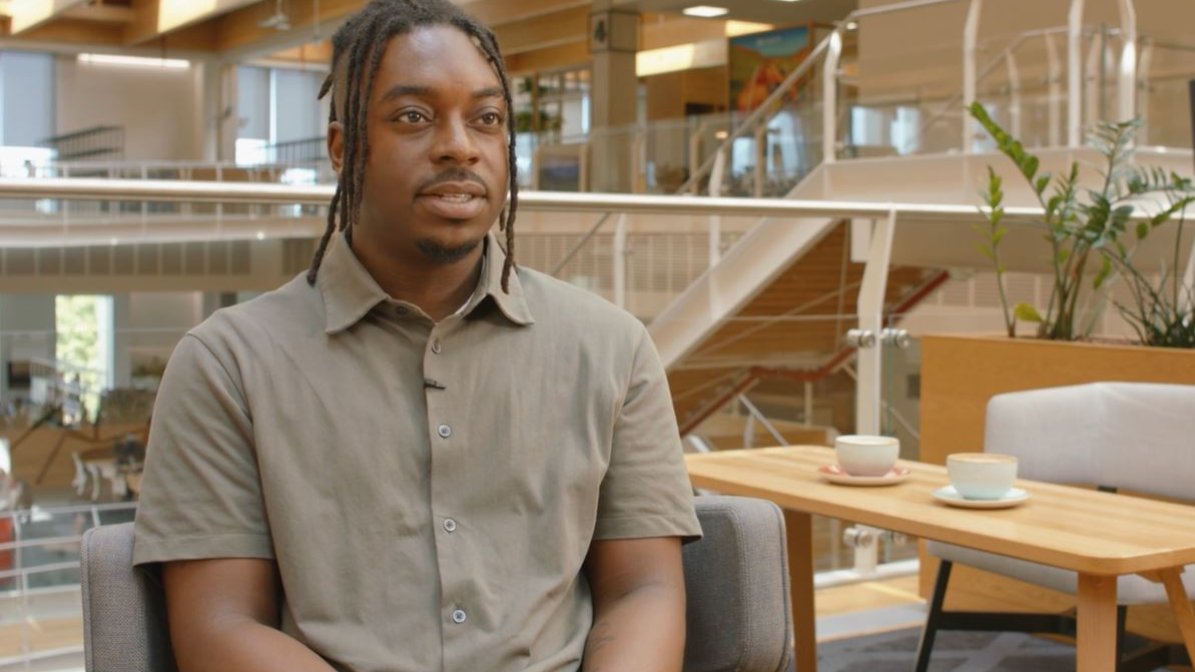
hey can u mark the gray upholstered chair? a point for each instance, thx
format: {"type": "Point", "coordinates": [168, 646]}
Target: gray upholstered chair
{"type": "Point", "coordinates": [736, 577]}
{"type": "Point", "coordinates": [1131, 436]}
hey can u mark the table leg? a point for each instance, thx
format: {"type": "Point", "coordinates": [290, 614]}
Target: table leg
{"type": "Point", "coordinates": [800, 578]}
{"type": "Point", "coordinates": [1096, 645]}
{"type": "Point", "coordinates": [1184, 616]}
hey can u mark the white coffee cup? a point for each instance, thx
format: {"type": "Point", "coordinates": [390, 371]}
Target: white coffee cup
{"type": "Point", "coordinates": [981, 475]}
{"type": "Point", "coordinates": [866, 455]}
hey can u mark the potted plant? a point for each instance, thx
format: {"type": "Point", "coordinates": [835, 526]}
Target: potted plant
{"type": "Point", "coordinates": [1091, 237]}
{"type": "Point", "coordinates": [1086, 232]}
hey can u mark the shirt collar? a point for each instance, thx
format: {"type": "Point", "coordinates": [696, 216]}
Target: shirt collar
{"type": "Point", "coordinates": [350, 292]}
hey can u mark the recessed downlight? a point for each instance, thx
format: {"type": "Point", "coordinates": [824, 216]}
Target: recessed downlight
{"type": "Point", "coordinates": [705, 11]}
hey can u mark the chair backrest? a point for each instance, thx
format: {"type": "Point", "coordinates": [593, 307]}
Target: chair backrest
{"type": "Point", "coordinates": [736, 577]}
{"type": "Point", "coordinates": [1135, 436]}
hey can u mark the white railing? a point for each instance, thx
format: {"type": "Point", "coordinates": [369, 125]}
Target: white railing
{"type": "Point", "coordinates": [21, 601]}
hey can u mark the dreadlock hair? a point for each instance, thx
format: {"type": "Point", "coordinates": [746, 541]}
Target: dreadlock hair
{"type": "Point", "coordinates": [357, 48]}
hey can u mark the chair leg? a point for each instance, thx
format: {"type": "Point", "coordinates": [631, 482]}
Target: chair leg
{"type": "Point", "coordinates": [933, 619]}
{"type": "Point", "coordinates": [1122, 613]}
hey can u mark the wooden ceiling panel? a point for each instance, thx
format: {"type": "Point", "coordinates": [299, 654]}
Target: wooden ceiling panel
{"type": "Point", "coordinates": [74, 31]}
{"type": "Point", "coordinates": [541, 32]}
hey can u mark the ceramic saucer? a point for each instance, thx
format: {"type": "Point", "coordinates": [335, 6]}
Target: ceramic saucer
{"type": "Point", "coordinates": [948, 495]}
{"type": "Point", "coordinates": [835, 474]}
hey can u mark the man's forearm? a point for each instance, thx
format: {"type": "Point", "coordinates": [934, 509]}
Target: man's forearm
{"type": "Point", "coordinates": [249, 646]}
{"type": "Point", "coordinates": [644, 631]}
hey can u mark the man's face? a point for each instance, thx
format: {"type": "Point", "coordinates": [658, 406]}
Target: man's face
{"type": "Point", "coordinates": [436, 179]}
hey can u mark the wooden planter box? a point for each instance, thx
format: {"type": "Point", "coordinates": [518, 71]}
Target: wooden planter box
{"type": "Point", "coordinates": [960, 373]}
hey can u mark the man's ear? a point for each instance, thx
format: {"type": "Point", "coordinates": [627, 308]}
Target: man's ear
{"type": "Point", "coordinates": [336, 145]}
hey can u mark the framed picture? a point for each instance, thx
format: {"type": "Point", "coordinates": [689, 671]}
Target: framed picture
{"type": "Point", "coordinates": [760, 62]}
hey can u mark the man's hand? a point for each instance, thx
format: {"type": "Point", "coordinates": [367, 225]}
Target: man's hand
{"type": "Point", "coordinates": [638, 588]}
{"type": "Point", "coordinates": [224, 616]}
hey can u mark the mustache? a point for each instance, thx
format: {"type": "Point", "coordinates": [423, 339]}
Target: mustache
{"type": "Point", "coordinates": [451, 175]}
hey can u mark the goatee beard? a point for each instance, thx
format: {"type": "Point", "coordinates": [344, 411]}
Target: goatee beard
{"type": "Point", "coordinates": [445, 255]}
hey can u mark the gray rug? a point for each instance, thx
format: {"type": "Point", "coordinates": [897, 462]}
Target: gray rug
{"type": "Point", "coordinates": [953, 652]}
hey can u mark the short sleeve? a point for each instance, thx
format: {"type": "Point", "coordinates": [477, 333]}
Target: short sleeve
{"type": "Point", "coordinates": [646, 490]}
{"type": "Point", "coordinates": [201, 493]}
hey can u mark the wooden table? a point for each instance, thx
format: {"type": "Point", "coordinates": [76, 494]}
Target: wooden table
{"type": "Point", "coordinates": [1097, 534]}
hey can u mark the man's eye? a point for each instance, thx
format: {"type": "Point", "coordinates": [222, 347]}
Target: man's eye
{"type": "Point", "coordinates": [491, 119]}
{"type": "Point", "coordinates": [411, 117]}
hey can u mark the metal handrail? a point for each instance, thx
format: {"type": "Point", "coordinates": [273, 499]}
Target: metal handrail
{"type": "Point", "coordinates": [953, 101]}
{"type": "Point", "coordinates": [765, 109]}
{"type": "Point", "coordinates": [762, 419]}
{"type": "Point", "coordinates": [534, 201]}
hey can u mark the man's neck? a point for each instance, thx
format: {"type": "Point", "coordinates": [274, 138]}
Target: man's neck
{"type": "Point", "coordinates": [438, 289]}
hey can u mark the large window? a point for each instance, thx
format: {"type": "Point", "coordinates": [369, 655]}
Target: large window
{"type": "Point", "coordinates": [27, 111]}
{"type": "Point", "coordinates": [84, 351]}
{"type": "Point", "coordinates": [281, 117]}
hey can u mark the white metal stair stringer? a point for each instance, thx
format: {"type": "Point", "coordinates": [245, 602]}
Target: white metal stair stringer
{"type": "Point", "coordinates": [766, 251]}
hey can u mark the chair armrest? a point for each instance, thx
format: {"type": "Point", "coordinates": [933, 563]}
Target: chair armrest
{"type": "Point", "coordinates": [736, 579]}
{"type": "Point", "coordinates": [124, 610]}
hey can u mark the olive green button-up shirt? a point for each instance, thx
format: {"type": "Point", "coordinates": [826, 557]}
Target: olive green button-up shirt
{"type": "Point", "coordinates": [428, 490]}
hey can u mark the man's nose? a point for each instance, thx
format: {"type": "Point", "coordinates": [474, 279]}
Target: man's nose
{"type": "Point", "coordinates": [454, 143]}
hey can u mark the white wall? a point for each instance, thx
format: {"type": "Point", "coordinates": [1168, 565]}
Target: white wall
{"type": "Point", "coordinates": [151, 325]}
{"type": "Point", "coordinates": [159, 109]}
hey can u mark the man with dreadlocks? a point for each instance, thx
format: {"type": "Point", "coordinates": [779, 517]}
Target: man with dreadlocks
{"type": "Point", "coordinates": [418, 456]}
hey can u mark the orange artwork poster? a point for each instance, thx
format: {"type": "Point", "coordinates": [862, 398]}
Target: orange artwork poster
{"type": "Point", "coordinates": [760, 62]}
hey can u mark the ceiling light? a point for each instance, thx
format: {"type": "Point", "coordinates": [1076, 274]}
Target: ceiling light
{"type": "Point", "coordinates": [261, 235]}
{"type": "Point", "coordinates": [705, 11]}
{"type": "Point", "coordinates": [722, 135]}
{"type": "Point", "coordinates": [853, 25]}
{"type": "Point", "coordinates": [135, 61]}
{"type": "Point", "coordinates": [736, 28]}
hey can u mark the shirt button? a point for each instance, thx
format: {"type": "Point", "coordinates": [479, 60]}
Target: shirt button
{"type": "Point", "coordinates": [459, 616]}
{"type": "Point", "coordinates": [401, 311]}
{"type": "Point", "coordinates": [436, 347]}
{"type": "Point", "coordinates": [444, 431]}
{"type": "Point", "coordinates": [449, 525]}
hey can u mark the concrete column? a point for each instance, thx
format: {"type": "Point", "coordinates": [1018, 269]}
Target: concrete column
{"type": "Point", "coordinates": [213, 301]}
{"type": "Point", "coordinates": [217, 101]}
{"type": "Point", "coordinates": [122, 341]}
{"type": "Point", "coordinates": [27, 331]}
{"type": "Point", "coordinates": [613, 41]}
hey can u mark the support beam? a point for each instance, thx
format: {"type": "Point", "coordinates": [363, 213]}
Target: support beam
{"type": "Point", "coordinates": [240, 36]}
{"type": "Point", "coordinates": [830, 98]}
{"type": "Point", "coordinates": [970, 79]}
{"type": "Point", "coordinates": [101, 14]}
{"type": "Point", "coordinates": [29, 14]}
{"type": "Point", "coordinates": [1126, 86]}
{"type": "Point", "coordinates": [569, 26]}
{"type": "Point", "coordinates": [1074, 74]}
{"type": "Point", "coordinates": [72, 31]}
{"type": "Point", "coordinates": [155, 18]}
{"type": "Point", "coordinates": [550, 58]}
{"type": "Point", "coordinates": [871, 318]}
{"type": "Point", "coordinates": [1054, 102]}
{"type": "Point", "coordinates": [501, 12]}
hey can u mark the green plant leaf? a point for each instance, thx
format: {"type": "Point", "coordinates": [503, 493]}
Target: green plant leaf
{"type": "Point", "coordinates": [1104, 273]}
{"type": "Point", "coordinates": [1028, 164]}
{"type": "Point", "coordinates": [1042, 183]}
{"type": "Point", "coordinates": [1142, 230]}
{"type": "Point", "coordinates": [1027, 313]}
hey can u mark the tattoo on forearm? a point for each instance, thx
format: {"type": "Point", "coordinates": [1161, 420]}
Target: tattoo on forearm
{"type": "Point", "coordinates": [599, 637]}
